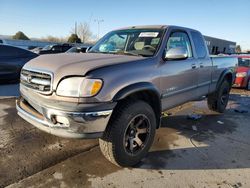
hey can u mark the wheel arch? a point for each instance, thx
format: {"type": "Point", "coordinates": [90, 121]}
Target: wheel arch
{"type": "Point", "coordinates": [142, 91]}
{"type": "Point", "coordinates": [226, 75]}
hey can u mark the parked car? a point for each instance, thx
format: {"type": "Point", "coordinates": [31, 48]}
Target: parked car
{"type": "Point", "coordinates": [55, 49]}
{"type": "Point", "coordinates": [12, 59]}
{"type": "Point", "coordinates": [36, 50]}
{"type": "Point", "coordinates": [79, 49]}
{"type": "Point", "coordinates": [243, 72]}
{"type": "Point", "coordinates": [119, 89]}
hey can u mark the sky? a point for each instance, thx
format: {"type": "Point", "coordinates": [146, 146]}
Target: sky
{"type": "Point", "coordinates": [226, 19]}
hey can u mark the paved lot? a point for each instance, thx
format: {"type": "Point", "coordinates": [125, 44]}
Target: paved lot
{"type": "Point", "coordinates": [212, 151]}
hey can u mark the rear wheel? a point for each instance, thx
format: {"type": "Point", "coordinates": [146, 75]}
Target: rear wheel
{"type": "Point", "coordinates": [218, 100]}
{"type": "Point", "coordinates": [129, 134]}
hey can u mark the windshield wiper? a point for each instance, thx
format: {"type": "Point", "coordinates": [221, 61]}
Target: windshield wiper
{"type": "Point", "coordinates": [131, 53]}
{"type": "Point", "coordinates": [101, 52]}
{"type": "Point", "coordinates": [93, 51]}
{"type": "Point", "coordinates": [118, 53]}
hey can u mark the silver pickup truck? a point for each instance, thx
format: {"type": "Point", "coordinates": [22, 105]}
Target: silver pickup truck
{"type": "Point", "coordinates": [118, 90]}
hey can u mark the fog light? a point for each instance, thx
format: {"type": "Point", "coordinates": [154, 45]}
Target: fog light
{"type": "Point", "coordinates": [62, 120]}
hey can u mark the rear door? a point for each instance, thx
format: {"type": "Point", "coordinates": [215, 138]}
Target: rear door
{"type": "Point", "coordinates": [204, 63]}
{"type": "Point", "coordinates": [178, 77]}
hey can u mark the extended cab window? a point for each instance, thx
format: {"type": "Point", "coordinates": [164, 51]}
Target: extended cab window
{"type": "Point", "coordinates": [179, 39]}
{"type": "Point", "coordinates": [199, 44]}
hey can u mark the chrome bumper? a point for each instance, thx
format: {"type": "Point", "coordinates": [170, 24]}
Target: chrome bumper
{"type": "Point", "coordinates": [66, 124]}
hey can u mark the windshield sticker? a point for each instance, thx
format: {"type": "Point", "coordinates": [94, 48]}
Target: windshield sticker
{"type": "Point", "coordinates": [149, 34]}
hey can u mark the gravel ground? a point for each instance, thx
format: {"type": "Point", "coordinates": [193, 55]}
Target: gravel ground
{"type": "Point", "coordinates": [212, 151]}
{"type": "Point", "coordinates": [25, 150]}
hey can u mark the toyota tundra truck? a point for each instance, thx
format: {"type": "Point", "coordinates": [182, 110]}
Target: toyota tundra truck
{"type": "Point", "coordinates": [118, 90]}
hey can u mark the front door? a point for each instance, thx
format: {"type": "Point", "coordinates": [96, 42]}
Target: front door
{"type": "Point", "coordinates": [179, 78]}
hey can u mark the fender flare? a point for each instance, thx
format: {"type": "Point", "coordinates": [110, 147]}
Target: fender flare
{"type": "Point", "coordinates": [136, 87]}
{"type": "Point", "coordinates": [223, 75]}
{"type": "Point", "coordinates": [140, 87]}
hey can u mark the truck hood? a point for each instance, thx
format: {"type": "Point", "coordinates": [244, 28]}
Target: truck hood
{"type": "Point", "coordinates": [69, 64]}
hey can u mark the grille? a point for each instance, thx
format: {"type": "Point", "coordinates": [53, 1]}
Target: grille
{"type": "Point", "coordinates": [39, 81]}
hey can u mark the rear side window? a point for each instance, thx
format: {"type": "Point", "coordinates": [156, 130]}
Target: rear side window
{"type": "Point", "coordinates": [179, 39]}
{"type": "Point", "coordinates": [199, 44]}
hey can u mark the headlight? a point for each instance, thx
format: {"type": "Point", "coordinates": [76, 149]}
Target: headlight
{"type": "Point", "coordinates": [241, 74]}
{"type": "Point", "coordinates": [79, 87]}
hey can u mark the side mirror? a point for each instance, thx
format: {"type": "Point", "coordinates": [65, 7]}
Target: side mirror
{"type": "Point", "coordinates": [178, 53]}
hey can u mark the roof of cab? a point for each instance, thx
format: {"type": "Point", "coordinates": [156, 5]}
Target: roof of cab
{"type": "Point", "coordinates": [144, 27]}
{"type": "Point", "coordinates": [155, 27]}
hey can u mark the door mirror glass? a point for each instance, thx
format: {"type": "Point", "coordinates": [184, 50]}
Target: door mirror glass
{"type": "Point", "coordinates": [178, 53]}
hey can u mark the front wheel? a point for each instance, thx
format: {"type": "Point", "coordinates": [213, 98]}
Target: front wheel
{"type": "Point", "coordinates": [129, 134]}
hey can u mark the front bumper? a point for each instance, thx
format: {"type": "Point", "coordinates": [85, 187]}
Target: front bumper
{"type": "Point", "coordinates": [65, 124]}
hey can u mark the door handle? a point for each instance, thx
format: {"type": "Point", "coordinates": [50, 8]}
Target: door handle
{"type": "Point", "coordinates": [193, 66]}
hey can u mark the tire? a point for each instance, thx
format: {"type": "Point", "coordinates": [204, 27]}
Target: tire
{"type": "Point", "coordinates": [120, 144]}
{"type": "Point", "coordinates": [218, 100]}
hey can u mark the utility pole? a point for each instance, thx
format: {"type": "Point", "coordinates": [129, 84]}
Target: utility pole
{"type": "Point", "coordinates": [76, 28]}
{"type": "Point", "coordinates": [98, 23]}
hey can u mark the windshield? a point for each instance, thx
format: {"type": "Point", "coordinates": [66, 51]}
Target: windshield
{"type": "Point", "coordinates": [139, 42]}
{"type": "Point", "coordinates": [244, 62]}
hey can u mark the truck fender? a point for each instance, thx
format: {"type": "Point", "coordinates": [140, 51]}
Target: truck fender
{"type": "Point", "coordinates": [223, 75]}
{"type": "Point", "coordinates": [134, 88]}
{"type": "Point", "coordinates": [154, 101]}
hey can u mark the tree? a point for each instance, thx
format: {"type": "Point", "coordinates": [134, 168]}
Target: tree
{"type": "Point", "coordinates": [50, 38]}
{"type": "Point", "coordinates": [20, 36]}
{"type": "Point", "coordinates": [74, 39]}
{"type": "Point", "coordinates": [238, 49]}
{"type": "Point", "coordinates": [83, 31]}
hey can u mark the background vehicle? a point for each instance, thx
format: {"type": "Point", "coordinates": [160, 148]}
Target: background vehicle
{"type": "Point", "coordinates": [243, 72]}
{"type": "Point", "coordinates": [54, 49]}
{"type": "Point", "coordinates": [12, 59]}
{"type": "Point", "coordinates": [118, 90]}
{"type": "Point", "coordinates": [79, 49]}
{"type": "Point", "coordinates": [36, 50]}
